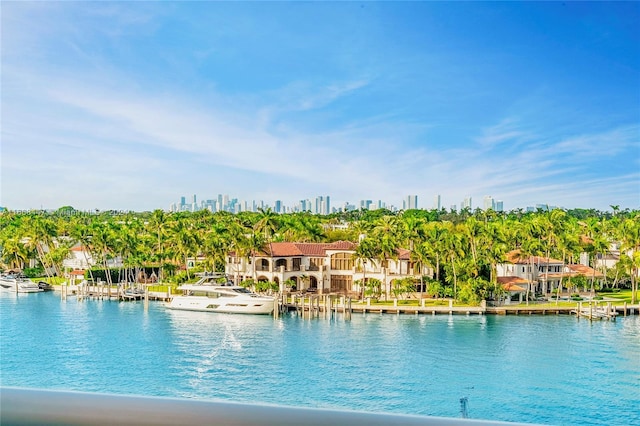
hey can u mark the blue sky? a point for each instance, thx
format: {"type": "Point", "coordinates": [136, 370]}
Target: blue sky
{"type": "Point", "coordinates": [131, 105]}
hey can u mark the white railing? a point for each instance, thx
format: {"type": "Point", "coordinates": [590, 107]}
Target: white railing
{"type": "Point", "coordinates": [19, 406]}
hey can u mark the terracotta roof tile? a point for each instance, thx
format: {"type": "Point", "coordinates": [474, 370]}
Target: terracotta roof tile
{"type": "Point", "coordinates": [404, 254]}
{"type": "Point", "coordinates": [308, 249]}
{"type": "Point", "coordinates": [511, 283]}
{"type": "Point", "coordinates": [584, 270]}
{"type": "Point", "coordinates": [516, 257]}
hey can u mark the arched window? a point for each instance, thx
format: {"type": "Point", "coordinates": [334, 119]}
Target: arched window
{"type": "Point", "coordinates": [281, 262]}
{"type": "Point", "coordinates": [262, 265]}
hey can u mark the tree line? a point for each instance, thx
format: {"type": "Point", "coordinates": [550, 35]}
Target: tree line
{"type": "Point", "coordinates": [462, 248]}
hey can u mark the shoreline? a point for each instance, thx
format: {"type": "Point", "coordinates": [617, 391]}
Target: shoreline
{"type": "Point", "coordinates": [316, 304]}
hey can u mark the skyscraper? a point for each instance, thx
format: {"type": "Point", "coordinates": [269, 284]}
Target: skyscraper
{"type": "Point", "coordinates": [437, 202]}
{"type": "Point", "coordinates": [410, 203]}
{"type": "Point", "coordinates": [488, 203]}
{"type": "Point", "coordinates": [467, 203]}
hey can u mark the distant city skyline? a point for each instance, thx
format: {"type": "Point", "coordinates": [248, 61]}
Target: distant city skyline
{"type": "Point", "coordinates": [321, 205]}
{"type": "Point", "coordinates": [122, 105]}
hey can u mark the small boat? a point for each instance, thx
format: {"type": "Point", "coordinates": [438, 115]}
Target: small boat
{"type": "Point", "coordinates": [18, 283]}
{"type": "Point", "coordinates": [134, 293]}
{"type": "Point", "coordinates": [44, 286]}
{"type": "Point", "coordinates": [210, 295]}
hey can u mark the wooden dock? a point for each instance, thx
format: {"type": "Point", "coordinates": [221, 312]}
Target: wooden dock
{"type": "Point", "coordinates": [596, 311]}
{"type": "Point", "coordinates": [315, 304]}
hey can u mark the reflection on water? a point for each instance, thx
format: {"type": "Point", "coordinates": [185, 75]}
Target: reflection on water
{"type": "Point", "coordinates": [524, 369]}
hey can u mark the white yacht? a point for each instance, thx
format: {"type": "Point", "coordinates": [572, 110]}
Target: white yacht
{"type": "Point", "coordinates": [209, 295]}
{"type": "Point", "coordinates": [17, 282]}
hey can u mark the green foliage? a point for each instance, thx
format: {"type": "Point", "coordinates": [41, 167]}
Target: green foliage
{"type": "Point", "coordinates": [373, 288]}
{"type": "Point", "coordinates": [435, 288]}
{"type": "Point", "coordinates": [470, 291]}
{"type": "Point", "coordinates": [266, 286]}
{"type": "Point", "coordinates": [248, 283]}
{"type": "Point", "coordinates": [461, 248]}
{"type": "Point", "coordinates": [402, 287]}
{"type": "Point", "coordinates": [101, 275]}
{"type": "Point", "coordinates": [33, 272]}
{"type": "Point", "coordinates": [291, 284]}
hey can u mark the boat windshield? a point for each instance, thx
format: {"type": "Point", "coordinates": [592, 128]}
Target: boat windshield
{"type": "Point", "coordinates": [241, 290]}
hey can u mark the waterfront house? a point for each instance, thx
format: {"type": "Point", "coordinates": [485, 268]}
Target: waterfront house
{"type": "Point", "coordinates": [542, 275]}
{"type": "Point", "coordinates": [319, 267]}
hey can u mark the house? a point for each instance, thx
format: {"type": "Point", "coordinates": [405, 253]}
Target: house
{"type": "Point", "coordinates": [541, 275]}
{"type": "Point", "coordinates": [80, 259]}
{"type": "Point", "coordinates": [513, 286]}
{"type": "Point", "coordinates": [321, 267]}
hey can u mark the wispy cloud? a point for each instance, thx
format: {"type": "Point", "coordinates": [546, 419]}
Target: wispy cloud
{"type": "Point", "coordinates": [101, 117]}
{"type": "Point", "coordinates": [608, 143]}
{"type": "Point", "coordinates": [507, 130]}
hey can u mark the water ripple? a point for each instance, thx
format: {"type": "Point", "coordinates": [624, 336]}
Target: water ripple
{"type": "Point", "coordinates": [550, 370]}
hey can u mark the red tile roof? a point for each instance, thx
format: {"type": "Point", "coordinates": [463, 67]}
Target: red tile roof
{"type": "Point", "coordinates": [516, 257]}
{"type": "Point", "coordinates": [308, 249]}
{"type": "Point", "coordinates": [404, 254]}
{"type": "Point", "coordinates": [584, 270]}
{"type": "Point", "coordinates": [511, 283]}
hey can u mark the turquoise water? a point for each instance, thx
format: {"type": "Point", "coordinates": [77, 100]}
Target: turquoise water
{"type": "Point", "coordinates": [536, 369]}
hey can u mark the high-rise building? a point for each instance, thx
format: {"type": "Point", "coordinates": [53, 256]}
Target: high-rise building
{"type": "Point", "coordinates": [467, 203]}
{"type": "Point", "coordinates": [365, 204]}
{"type": "Point", "coordinates": [277, 207]}
{"type": "Point", "coordinates": [499, 206]}
{"type": "Point", "coordinates": [437, 202]}
{"type": "Point", "coordinates": [321, 205]}
{"type": "Point", "coordinates": [488, 203]}
{"type": "Point", "coordinates": [348, 207]}
{"type": "Point", "coordinates": [410, 203]}
{"type": "Point", "coordinates": [304, 206]}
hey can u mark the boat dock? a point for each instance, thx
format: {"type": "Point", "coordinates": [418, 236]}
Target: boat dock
{"type": "Point", "coordinates": [316, 304]}
{"type": "Point", "coordinates": [594, 311]}
{"type": "Point", "coordinates": [101, 291]}
{"type": "Point", "coordinates": [313, 305]}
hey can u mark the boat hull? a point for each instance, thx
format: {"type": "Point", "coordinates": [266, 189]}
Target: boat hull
{"type": "Point", "coordinates": [20, 286]}
{"type": "Point", "coordinates": [255, 306]}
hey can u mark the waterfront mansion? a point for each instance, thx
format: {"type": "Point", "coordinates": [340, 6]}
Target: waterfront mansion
{"type": "Point", "coordinates": [541, 275]}
{"type": "Point", "coordinates": [320, 267]}
{"type": "Point", "coordinates": [334, 268]}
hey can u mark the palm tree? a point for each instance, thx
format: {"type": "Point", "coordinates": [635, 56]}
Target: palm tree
{"type": "Point", "coordinates": [531, 246]}
{"type": "Point", "coordinates": [159, 224]}
{"type": "Point", "coordinates": [567, 243]}
{"type": "Point", "coordinates": [630, 236]}
{"type": "Point", "coordinates": [365, 252]}
{"type": "Point", "coordinates": [386, 237]}
{"type": "Point", "coordinates": [267, 223]}
{"type": "Point", "coordinates": [14, 254]}
{"type": "Point", "coordinates": [453, 250]}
